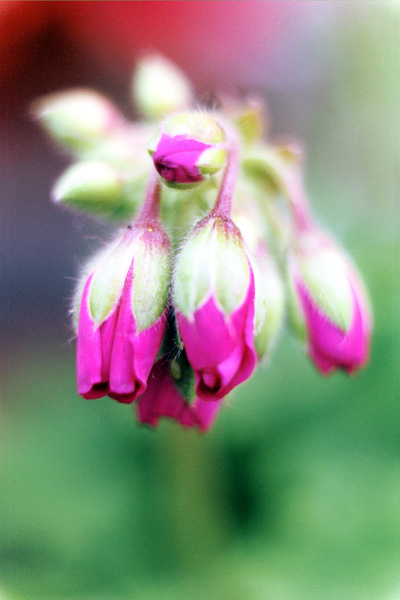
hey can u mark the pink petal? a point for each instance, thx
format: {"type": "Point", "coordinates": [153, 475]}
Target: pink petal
{"type": "Point", "coordinates": [175, 158]}
{"type": "Point", "coordinates": [210, 337]}
{"type": "Point", "coordinates": [133, 354]}
{"type": "Point", "coordinates": [163, 399]}
{"type": "Point", "coordinates": [93, 350]}
{"type": "Point", "coordinates": [220, 349]}
{"type": "Point", "coordinates": [206, 412]}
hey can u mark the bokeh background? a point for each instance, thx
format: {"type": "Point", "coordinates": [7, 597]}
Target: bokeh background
{"type": "Point", "coordinates": [295, 493]}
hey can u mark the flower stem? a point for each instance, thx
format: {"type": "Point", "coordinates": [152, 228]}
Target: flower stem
{"type": "Point", "coordinates": [223, 205]}
{"type": "Point", "coordinates": [150, 212]}
{"type": "Point", "coordinates": [298, 202]}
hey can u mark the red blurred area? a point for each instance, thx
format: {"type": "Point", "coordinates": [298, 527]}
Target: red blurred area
{"type": "Point", "coordinates": [20, 22]}
{"type": "Point", "coordinates": [208, 39]}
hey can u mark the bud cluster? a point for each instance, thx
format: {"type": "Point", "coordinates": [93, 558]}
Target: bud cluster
{"type": "Point", "coordinates": [191, 296]}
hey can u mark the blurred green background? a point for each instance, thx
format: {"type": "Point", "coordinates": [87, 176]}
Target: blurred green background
{"type": "Point", "coordinates": [295, 493]}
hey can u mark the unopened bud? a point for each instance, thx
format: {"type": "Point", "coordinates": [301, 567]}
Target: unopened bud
{"type": "Point", "coordinates": [94, 187]}
{"type": "Point", "coordinates": [190, 148]}
{"type": "Point", "coordinates": [214, 301]}
{"type": "Point", "coordinates": [77, 118]}
{"type": "Point", "coordinates": [251, 119]}
{"type": "Point", "coordinates": [122, 315]}
{"type": "Point", "coordinates": [329, 306]}
{"type": "Point", "coordinates": [159, 87]}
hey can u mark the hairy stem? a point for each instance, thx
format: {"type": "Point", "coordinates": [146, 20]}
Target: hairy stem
{"type": "Point", "coordinates": [150, 212]}
{"type": "Point", "coordinates": [223, 205]}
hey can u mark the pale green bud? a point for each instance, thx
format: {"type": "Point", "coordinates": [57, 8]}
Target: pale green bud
{"type": "Point", "coordinates": [159, 87]}
{"type": "Point", "coordinates": [78, 118]}
{"type": "Point", "coordinates": [94, 187]}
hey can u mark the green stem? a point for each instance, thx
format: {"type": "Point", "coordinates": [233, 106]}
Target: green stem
{"type": "Point", "coordinates": [296, 196]}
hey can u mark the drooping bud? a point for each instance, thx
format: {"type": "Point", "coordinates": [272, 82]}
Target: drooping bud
{"type": "Point", "coordinates": [94, 187]}
{"type": "Point", "coordinates": [78, 119]}
{"type": "Point", "coordinates": [122, 315]}
{"type": "Point", "coordinates": [214, 301]}
{"type": "Point", "coordinates": [190, 148]}
{"type": "Point", "coordinates": [159, 87]}
{"type": "Point", "coordinates": [329, 308]}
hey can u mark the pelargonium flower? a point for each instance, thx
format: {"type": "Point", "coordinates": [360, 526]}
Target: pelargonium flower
{"type": "Point", "coordinates": [164, 399]}
{"type": "Point", "coordinates": [330, 308]}
{"type": "Point", "coordinates": [180, 359]}
{"type": "Point", "coordinates": [214, 296]}
{"type": "Point", "coordinates": [190, 148]}
{"type": "Point", "coordinates": [122, 315]}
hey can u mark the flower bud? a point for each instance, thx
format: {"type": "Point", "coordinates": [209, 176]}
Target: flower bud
{"type": "Point", "coordinates": [190, 148]}
{"type": "Point", "coordinates": [94, 187]}
{"type": "Point", "coordinates": [249, 116]}
{"type": "Point", "coordinates": [79, 118]}
{"type": "Point", "coordinates": [122, 316]}
{"type": "Point", "coordinates": [329, 306]}
{"type": "Point", "coordinates": [214, 300]}
{"type": "Point", "coordinates": [159, 87]}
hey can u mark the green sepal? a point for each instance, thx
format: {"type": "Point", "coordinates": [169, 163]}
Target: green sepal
{"type": "Point", "coordinates": [152, 277]}
{"type": "Point", "coordinates": [195, 125]}
{"type": "Point", "coordinates": [273, 296]}
{"type": "Point", "coordinates": [108, 281]}
{"type": "Point", "coordinates": [212, 261]}
{"type": "Point", "coordinates": [183, 376]}
{"type": "Point", "coordinates": [232, 273]}
{"type": "Point", "coordinates": [211, 161]}
{"type": "Point", "coordinates": [192, 281]}
{"type": "Point", "coordinates": [325, 276]}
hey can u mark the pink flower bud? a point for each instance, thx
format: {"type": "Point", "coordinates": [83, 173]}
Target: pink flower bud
{"type": "Point", "coordinates": [214, 296]}
{"type": "Point", "coordinates": [329, 305]}
{"type": "Point", "coordinates": [175, 158]}
{"type": "Point", "coordinates": [189, 149]}
{"type": "Point", "coordinates": [122, 316]}
{"type": "Point", "coordinates": [163, 399]}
